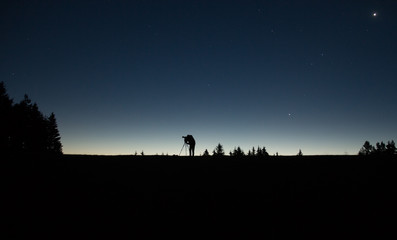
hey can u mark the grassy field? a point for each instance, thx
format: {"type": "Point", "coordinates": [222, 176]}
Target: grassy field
{"type": "Point", "coordinates": [321, 197]}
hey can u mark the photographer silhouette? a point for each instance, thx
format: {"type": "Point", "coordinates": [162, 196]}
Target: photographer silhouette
{"type": "Point", "coordinates": [191, 142]}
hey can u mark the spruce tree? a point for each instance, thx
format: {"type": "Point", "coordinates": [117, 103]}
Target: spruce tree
{"type": "Point", "coordinates": [300, 154]}
{"type": "Point", "coordinates": [218, 151]}
{"type": "Point", "coordinates": [391, 148]}
{"type": "Point", "coordinates": [237, 152]}
{"type": "Point", "coordinates": [54, 144]}
{"type": "Point", "coordinates": [259, 152]}
{"type": "Point", "coordinates": [206, 153]}
{"type": "Point", "coordinates": [6, 119]}
{"type": "Point", "coordinates": [24, 129]}
{"type": "Point", "coordinates": [264, 152]}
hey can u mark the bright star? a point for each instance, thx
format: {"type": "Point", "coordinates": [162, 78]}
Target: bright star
{"type": "Point", "coordinates": [374, 14]}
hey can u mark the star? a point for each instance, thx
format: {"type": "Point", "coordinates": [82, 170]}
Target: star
{"type": "Point", "coordinates": [374, 14]}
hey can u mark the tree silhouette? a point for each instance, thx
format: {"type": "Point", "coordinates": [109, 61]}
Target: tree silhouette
{"type": "Point", "coordinates": [380, 148]}
{"type": "Point", "coordinates": [54, 144]}
{"type": "Point", "coordinates": [391, 148]}
{"type": "Point", "coordinates": [265, 153]}
{"type": "Point", "coordinates": [5, 119]}
{"type": "Point", "coordinates": [218, 151]}
{"type": "Point", "coordinates": [366, 149]}
{"type": "Point", "coordinates": [206, 153]}
{"type": "Point", "coordinates": [261, 152]}
{"type": "Point", "coordinates": [24, 129]}
{"type": "Point", "coordinates": [31, 127]}
{"type": "Point", "coordinates": [300, 153]}
{"type": "Point", "coordinates": [237, 152]}
{"type": "Point", "coordinates": [253, 151]}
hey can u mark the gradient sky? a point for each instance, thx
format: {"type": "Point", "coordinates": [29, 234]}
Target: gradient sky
{"type": "Point", "coordinates": [126, 76]}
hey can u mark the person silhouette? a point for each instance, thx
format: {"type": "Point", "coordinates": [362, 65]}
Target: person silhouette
{"type": "Point", "coordinates": [191, 142]}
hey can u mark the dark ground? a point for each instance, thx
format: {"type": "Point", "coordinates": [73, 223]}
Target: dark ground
{"type": "Point", "coordinates": [317, 197]}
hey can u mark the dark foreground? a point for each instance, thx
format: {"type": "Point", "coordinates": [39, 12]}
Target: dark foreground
{"type": "Point", "coordinates": [334, 197]}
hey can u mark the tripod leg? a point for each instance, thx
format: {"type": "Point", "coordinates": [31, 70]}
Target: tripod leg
{"type": "Point", "coordinates": [181, 149]}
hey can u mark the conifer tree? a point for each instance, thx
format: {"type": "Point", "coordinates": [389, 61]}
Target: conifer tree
{"type": "Point", "coordinates": [54, 144]}
{"type": "Point", "coordinates": [237, 152]}
{"type": "Point", "coordinates": [218, 151]}
{"type": "Point", "coordinates": [206, 153]}
{"type": "Point", "coordinates": [264, 152]}
{"type": "Point", "coordinates": [6, 120]}
{"type": "Point", "coordinates": [300, 153]}
{"type": "Point", "coordinates": [5, 101]}
{"type": "Point", "coordinates": [259, 152]}
{"type": "Point", "coordinates": [24, 129]}
{"type": "Point", "coordinates": [391, 148]}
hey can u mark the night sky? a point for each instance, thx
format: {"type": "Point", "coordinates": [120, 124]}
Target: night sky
{"type": "Point", "coordinates": [126, 76]}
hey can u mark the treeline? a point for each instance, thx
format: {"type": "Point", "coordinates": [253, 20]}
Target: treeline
{"type": "Point", "coordinates": [238, 152]}
{"type": "Point", "coordinates": [24, 129]}
{"type": "Point", "coordinates": [259, 152]}
{"type": "Point", "coordinates": [367, 149]}
{"type": "Point", "coordinates": [379, 149]}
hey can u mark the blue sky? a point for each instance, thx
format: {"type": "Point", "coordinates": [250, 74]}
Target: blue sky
{"type": "Point", "coordinates": [137, 76]}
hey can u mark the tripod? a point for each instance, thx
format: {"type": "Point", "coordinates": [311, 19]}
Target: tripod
{"type": "Point", "coordinates": [183, 146]}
